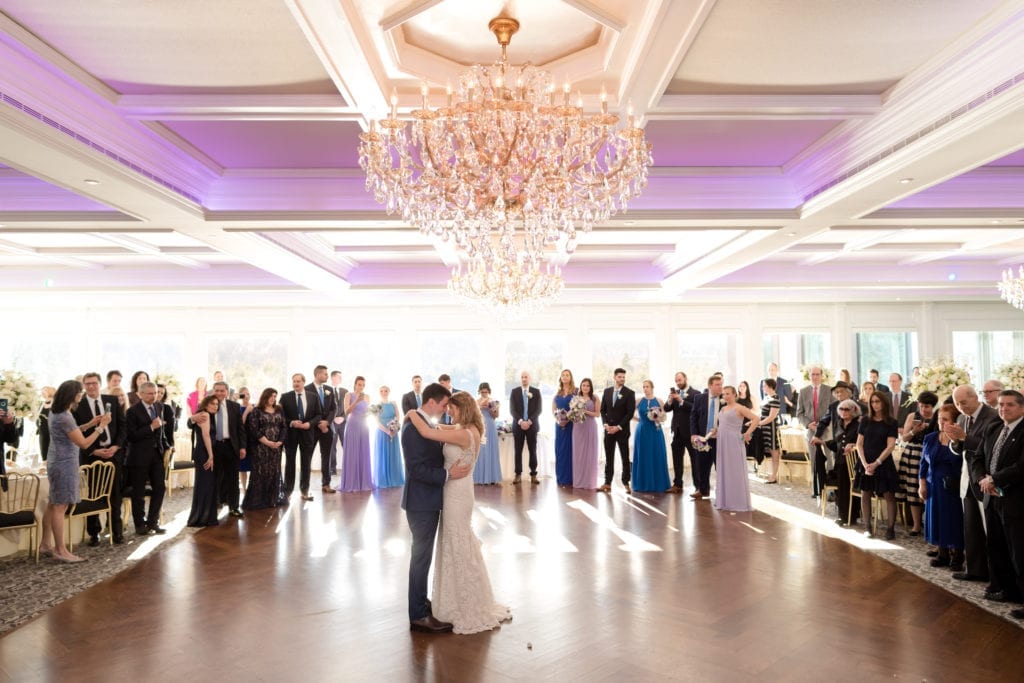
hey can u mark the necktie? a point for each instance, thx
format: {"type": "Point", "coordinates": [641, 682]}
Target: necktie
{"type": "Point", "coordinates": [152, 412]}
{"type": "Point", "coordinates": [967, 427]}
{"type": "Point", "coordinates": [615, 397]}
{"type": "Point", "coordinates": [998, 450]}
{"type": "Point", "coordinates": [419, 401]}
{"type": "Point", "coordinates": [302, 413]}
{"type": "Point", "coordinates": [815, 404]}
{"type": "Point", "coordinates": [321, 395]}
{"type": "Point", "coordinates": [526, 406]}
{"type": "Point", "coordinates": [712, 403]}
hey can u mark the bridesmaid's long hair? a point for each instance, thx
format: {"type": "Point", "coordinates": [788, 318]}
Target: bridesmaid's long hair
{"type": "Point", "coordinates": [589, 383]}
{"type": "Point", "coordinates": [469, 411]}
{"type": "Point", "coordinates": [562, 391]}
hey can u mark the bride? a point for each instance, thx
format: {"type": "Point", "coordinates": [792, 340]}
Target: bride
{"type": "Point", "coordinates": [462, 590]}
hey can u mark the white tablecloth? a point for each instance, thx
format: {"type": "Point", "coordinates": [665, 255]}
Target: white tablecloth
{"type": "Point", "coordinates": [507, 453]}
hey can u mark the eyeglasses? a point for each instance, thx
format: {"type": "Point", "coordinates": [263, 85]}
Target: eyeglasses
{"type": "Point", "coordinates": [844, 410]}
{"type": "Point", "coordinates": [989, 391]}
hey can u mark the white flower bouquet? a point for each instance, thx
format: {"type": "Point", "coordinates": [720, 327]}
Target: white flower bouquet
{"type": "Point", "coordinates": [562, 417]}
{"type": "Point", "coordinates": [940, 376]}
{"type": "Point", "coordinates": [393, 426]}
{"type": "Point", "coordinates": [169, 380]}
{"type": "Point", "coordinates": [1011, 375]}
{"type": "Point", "coordinates": [656, 414]}
{"type": "Point", "coordinates": [375, 408]}
{"type": "Point", "coordinates": [577, 406]}
{"type": "Point", "coordinates": [22, 394]}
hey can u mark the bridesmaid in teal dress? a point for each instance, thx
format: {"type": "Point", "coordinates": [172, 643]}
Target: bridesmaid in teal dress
{"type": "Point", "coordinates": [488, 466]}
{"type": "Point", "coordinates": [650, 457]}
{"type": "Point", "coordinates": [563, 429]}
{"type": "Point", "coordinates": [388, 470]}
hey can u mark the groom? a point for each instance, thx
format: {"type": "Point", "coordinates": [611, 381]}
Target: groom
{"type": "Point", "coordinates": [421, 500]}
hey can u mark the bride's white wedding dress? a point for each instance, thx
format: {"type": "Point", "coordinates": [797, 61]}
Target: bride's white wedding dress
{"type": "Point", "coordinates": [462, 590]}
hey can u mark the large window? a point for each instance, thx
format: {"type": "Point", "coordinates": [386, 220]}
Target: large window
{"type": "Point", "coordinates": [886, 352]}
{"type": "Point", "coordinates": [793, 350]}
{"type": "Point", "coordinates": [47, 360]}
{"type": "Point", "coordinates": [252, 361]}
{"type": "Point", "coordinates": [454, 354]}
{"type": "Point", "coordinates": [983, 352]}
{"type": "Point", "coordinates": [627, 350]}
{"type": "Point", "coordinates": [542, 354]}
{"type": "Point", "coordinates": [368, 355]}
{"type": "Point", "coordinates": [701, 354]}
{"type": "Point", "coordinates": [154, 353]}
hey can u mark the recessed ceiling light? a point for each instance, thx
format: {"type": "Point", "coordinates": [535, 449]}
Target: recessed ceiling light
{"type": "Point", "coordinates": [904, 181]}
{"type": "Point", "coordinates": [951, 277]}
{"type": "Point", "coordinates": [91, 181]}
{"type": "Point", "coordinates": [790, 234]}
{"type": "Point", "coordinates": [48, 282]}
{"type": "Point", "coordinates": [995, 222]}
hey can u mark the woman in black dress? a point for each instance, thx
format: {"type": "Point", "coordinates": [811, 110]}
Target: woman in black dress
{"type": "Point", "coordinates": [754, 450]}
{"type": "Point", "coordinates": [265, 427]}
{"type": "Point", "coordinates": [844, 440]}
{"type": "Point", "coordinates": [204, 495]}
{"type": "Point", "coordinates": [876, 440]}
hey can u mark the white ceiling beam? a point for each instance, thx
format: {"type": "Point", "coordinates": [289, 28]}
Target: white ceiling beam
{"type": "Point", "coordinates": [236, 108]}
{"type": "Point", "coordinates": [139, 247]}
{"type": "Point", "coordinates": [766, 107]}
{"type": "Point", "coordinates": [22, 250]}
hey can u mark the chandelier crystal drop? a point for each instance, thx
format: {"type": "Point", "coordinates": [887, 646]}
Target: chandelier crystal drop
{"type": "Point", "coordinates": [505, 154]}
{"type": "Point", "coordinates": [505, 286]}
{"type": "Point", "coordinates": [1011, 288]}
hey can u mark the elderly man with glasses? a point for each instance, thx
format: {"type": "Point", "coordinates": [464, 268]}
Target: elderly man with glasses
{"type": "Point", "coordinates": [990, 393]}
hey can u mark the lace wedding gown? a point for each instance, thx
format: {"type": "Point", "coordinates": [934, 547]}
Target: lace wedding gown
{"type": "Point", "coordinates": [462, 590]}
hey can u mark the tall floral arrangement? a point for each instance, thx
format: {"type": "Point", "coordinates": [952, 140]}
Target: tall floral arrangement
{"type": "Point", "coordinates": [21, 392]}
{"type": "Point", "coordinates": [1012, 375]}
{"type": "Point", "coordinates": [827, 375]}
{"type": "Point", "coordinates": [169, 380]}
{"type": "Point", "coordinates": [940, 376]}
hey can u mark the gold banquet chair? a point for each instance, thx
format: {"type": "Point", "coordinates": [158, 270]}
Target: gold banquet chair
{"type": "Point", "coordinates": [19, 494]}
{"type": "Point", "coordinates": [174, 468]}
{"type": "Point", "coordinates": [97, 485]}
{"type": "Point", "coordinates": [877, 506]}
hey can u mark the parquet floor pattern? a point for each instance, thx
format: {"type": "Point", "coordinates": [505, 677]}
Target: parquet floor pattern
{"type": "Point", "coordinates": [602, 588]}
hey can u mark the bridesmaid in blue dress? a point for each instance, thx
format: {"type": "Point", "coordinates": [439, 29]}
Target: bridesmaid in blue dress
{"type": "Point", "coordinates": [650, 457]}
{"type": "Point", "coordinates": [939, 487]}
{"type": "Point", "coordinates": [732, 490]}
{"type": "Point", "coordinates": [355, 467]}
{"type": "Point", "coordinates": [563, 429]}
{"type": "Point", "coordinates": [388, 470]}
{"type": "Point", "coordinates": [488, 466]}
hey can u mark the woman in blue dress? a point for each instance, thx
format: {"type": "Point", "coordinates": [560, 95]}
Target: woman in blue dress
{"type": "Point", "coordinates": [650, 457]}
{"type": "Point", "coordinates": [488, 466]}
{"type": "Point", "coordinates": [355, 465]}
{"type": "Point", "coordinates": [939, 488]}
{"type": "Point", "coordinates": [563, 429]}
{"type": "Point", "coordinates": [388, 470]}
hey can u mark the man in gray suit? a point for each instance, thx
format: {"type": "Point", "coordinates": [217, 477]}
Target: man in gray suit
{"type": "Point", "coordinates": [812, 405]}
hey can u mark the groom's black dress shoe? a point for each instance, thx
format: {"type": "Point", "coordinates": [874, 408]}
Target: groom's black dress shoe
{"type": "Point", "coordinates": [430, 625]}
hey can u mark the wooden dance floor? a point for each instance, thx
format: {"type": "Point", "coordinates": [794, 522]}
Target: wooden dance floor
{"type": "Point", "coordinates": [602, 588]}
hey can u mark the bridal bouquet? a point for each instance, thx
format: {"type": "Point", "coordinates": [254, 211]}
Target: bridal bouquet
{"type": "Point", "coordinates": [577, 406]}
{"type": "Point", "coordinates": [701, 444]}
{"type": "Point", "coordinates": [940, 376]}
{"type": "Point", "coordinates": [1012, 375]}
{"type": "Point", "coordinates": [656, 414]}
{"type": "Point", "coordinates": [393, 426]}
{"type": "Point", "coordinates": [21, 393]}
{"type": "Point", "coordinates": [375, 408]}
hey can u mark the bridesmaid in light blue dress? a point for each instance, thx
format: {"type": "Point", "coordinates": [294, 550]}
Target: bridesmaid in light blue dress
{"type": "Point", "coordinates": [488, 466]}
{"type": "Point", "coordinates": [732, 490]}
{"type": "Point", "coordinates": [355, 468]}
{"type": "Point", "coordinates": [650, 457]}
{"type": "Point", "coordinates": [563, 428]}
{"type": "Point", "coordinates": [388, 470]}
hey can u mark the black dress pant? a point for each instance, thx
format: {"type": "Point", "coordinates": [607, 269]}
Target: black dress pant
{"type": "Point", "coordinates": [152, 470]}
{"type": "Point", "coordinates": [681, 443]}
{"type": "Point", "coordinates": [974, 538]}
{"type": "Point", "coordinates": [225, 466]}
{"type": "Point", "coordinates": [305, 451]}
{"type": "Point", "coordinates": [1006, 549]}
{"type": "Point", "coordinates": [116, 525]}
{"type": "Point", "coordinates": [818, 458]}
{"type": "Point", "coordinates": [705, 460]}
{"type": "Point", "coordinates": [326, 443]}
{"type": "Point", "coordinates": [620, 439]}
{"type": "Point", "coordinates": [529, 437]}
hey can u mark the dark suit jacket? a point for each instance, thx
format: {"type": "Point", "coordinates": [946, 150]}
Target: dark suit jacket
{"type": "Point", "coordinates": [330, 404]}
{"type": "Point", "coordinates": [699, 415]}
{"type": "Point", "coordinates": [533, 407]}
{"type": "Point", "coordinates": [236, 433]}
{"type": "Point", "coordinates": [424, 471]}
{"type": "Point", "coordinates": [681, 410]}
{"type": "Point", "coordinates": [884, 388]}
{"type": "Point", "coordinates": [143, 440]}
{"type": "Point", "coordinates": [1009, 474]}
{"type": "Point", "coordinates": [117, 426]}
{"type": "Point", "coordinates": [311, 414]}
{"type": "Point", "coordinates": [409, 402]}
{"type": "Point", "coordinates": [621, 413]}
{"type": "Point", "coordinates": [971, 447]}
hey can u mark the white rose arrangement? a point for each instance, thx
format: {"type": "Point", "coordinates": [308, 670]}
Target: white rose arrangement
{"type": "Point", "coordinates": [22, 394]}
{"type": "Point", "coordinates": [940, 376]}
{"type": "Point", "coordinates": [1011, 375]}
{"type": "Point", "coordinates": [827, 376]}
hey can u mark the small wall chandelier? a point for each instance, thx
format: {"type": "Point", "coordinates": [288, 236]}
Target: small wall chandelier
{"type": "Point", "coordinates": [1012, 288]}
{"type": "Point", "coordinates": [505, 154]}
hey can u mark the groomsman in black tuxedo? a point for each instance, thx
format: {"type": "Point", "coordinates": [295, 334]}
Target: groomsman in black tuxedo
{"type": "Point", "coordinates": [524, 402]}
{"type": "Point", "coordinates": [109, 447]}
{"type": "Point", "coordinates": [1000, 476]}
{"type": "Point", "coordinates": [680, 404]}
{"type": "Point", "coordinates": [149, 436]}
{"type": "Point", "coordinates": [617, 407]}
{"type": "Point", "coordinates": [967, 438]}
{"type": "Point", "coordinates": [322, 432]}
{"type": "Point", "coordinates": [337, 419]}
{"type": "Point", "coordinates": [703, 421]}
{"type": "Point", "coordinates": [229, 440]}
{"type": "Point", "coordinates": [414, 399]}
{"type": "Point", "coordinates": [301, 409]}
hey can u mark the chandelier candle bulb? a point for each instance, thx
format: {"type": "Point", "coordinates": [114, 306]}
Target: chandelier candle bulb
{"type": "Point", "coordinates": [394, 104]}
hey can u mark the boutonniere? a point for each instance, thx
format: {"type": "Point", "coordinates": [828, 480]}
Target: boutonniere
{"type": "Point", "coordinates": [529, 394]}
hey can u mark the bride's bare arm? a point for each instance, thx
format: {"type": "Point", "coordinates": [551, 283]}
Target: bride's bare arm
{"type": "Point", "coordinates": [459, 437]}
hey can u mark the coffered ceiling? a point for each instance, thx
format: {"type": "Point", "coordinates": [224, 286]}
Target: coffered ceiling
{"type": "Point", "coordinates": [803, 149]}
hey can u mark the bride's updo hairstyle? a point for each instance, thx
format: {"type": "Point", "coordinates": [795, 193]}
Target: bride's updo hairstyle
{"type": "Point", "coordinates": [469, 411]}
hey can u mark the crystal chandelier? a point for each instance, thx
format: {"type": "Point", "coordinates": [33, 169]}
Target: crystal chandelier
{"type": "Point", "coordinates": [505, 154]}
{"type": "Point", "coordinates": [1012, 288]}
{"type": "Point", "coordinates": [506, 286]}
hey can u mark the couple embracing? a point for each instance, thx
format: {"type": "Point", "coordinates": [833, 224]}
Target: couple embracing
{"type": "Point", "coordinates": [439, 494]}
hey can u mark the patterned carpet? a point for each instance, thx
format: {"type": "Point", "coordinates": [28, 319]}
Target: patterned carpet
{"type": "Point", "coordinates": [30, 589]}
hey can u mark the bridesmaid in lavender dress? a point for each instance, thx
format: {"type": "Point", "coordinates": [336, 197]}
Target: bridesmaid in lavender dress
{"type": "Point", "coordinates": [355, 468]}
{"type": "Point", "coordinates": [732, 490]}
{"type": "Point", "coordinates": [585, 441]}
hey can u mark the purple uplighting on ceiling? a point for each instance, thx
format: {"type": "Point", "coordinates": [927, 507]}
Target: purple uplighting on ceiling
{"type": "Point", "coordinates": [732, 143]}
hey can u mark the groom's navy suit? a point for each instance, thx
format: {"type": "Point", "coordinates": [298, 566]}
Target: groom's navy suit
{"type": "Point", "coordinates": [422, 497]}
